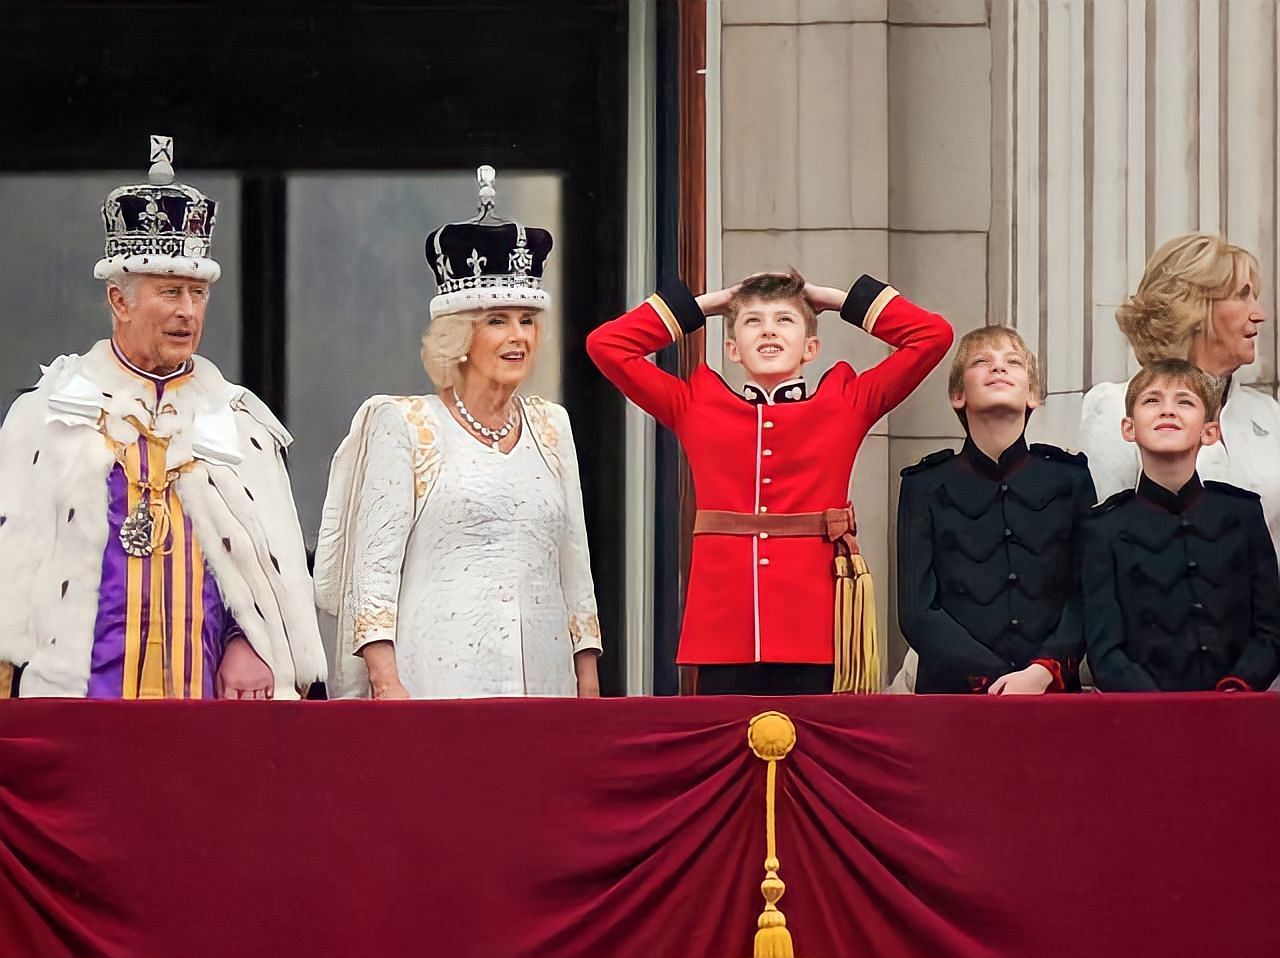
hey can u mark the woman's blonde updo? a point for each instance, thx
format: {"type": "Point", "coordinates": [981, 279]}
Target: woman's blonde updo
{"type": "Point", "coordinates": [445, 342]}
{"type": "Point", "coordinates": [1175, 298]}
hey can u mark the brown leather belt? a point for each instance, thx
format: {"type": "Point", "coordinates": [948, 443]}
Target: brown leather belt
{"type": "Point", "coordinates": [830, 524]}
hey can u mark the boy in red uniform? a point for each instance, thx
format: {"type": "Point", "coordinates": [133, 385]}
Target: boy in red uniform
{"type": "Point", "coordinates": [771, 466]}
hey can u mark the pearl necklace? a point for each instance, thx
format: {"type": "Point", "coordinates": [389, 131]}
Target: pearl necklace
{"type": "Point", "coordinates": [496, 435]}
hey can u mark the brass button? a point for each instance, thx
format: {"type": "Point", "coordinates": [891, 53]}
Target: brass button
{"type": "Point", "coordinates": [766, 480]}
{"type": "Point", "coordinates": [764, 561]}
{"type": "Point", "coordinates": [768, 425]}
{"type": "Point", "coordinates": [766, 452]}
{"type": "Point", "coordinates": [764, 535]}
{"type": "Point", "coordinates": [764, 509]}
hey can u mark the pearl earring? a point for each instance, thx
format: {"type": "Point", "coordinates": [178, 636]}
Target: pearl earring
{"type": "Point", "coordinates": [462, 359]}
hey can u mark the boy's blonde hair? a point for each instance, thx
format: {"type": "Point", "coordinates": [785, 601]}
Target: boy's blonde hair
{"type": "Point", "coordinates": [1179, 372]}
{"type": "Point", "coordinates": [991, 337]}
{"type": "Point", "coordinates": [1175, 297]}
{"type": "Point", "coordinates": [771, 288]}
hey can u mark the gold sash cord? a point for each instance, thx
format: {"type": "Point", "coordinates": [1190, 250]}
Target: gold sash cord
{"type": "Point", "coordinates": [771, 736]}
{"type": "Point", "coordinates": [856, 652]}
{"type": "Point", "coordinates": [160, 675]}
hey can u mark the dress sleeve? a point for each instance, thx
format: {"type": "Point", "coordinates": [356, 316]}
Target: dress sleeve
{"type": "Point", "coordinates": [383, 518]}
{"type": "Point", "coordinates": [1113, 463]}
{"type": "Point", "coordinates": [575, 556]}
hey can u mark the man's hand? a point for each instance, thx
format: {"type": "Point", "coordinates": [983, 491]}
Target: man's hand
{"type": "Point", "coordinates": [242, 675]}
{"type": "Point", "coordinates": [584, 666]}
{"type": "Point", "coordinates": [1033, 680]}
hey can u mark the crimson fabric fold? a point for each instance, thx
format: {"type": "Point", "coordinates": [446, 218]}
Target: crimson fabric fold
{"type": "Point", "coordinates": [943, 825]}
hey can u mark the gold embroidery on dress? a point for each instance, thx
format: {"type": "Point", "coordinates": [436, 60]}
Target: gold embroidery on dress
{"type": "Point", "coordinates": [545, 432]}
{"type": "Point", "coordinates": [584, 627]}
{"type": "Point", "coordinates": [376, 620]}
{"type": "Point", "coordinates": [426, 450]}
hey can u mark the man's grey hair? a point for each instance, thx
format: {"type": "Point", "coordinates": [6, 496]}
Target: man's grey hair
{"type": "Point", "coordinates": [127, 283]}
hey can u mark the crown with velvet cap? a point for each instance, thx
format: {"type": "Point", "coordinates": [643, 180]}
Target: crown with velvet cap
{"type": "Point", "coordinates": [487, 263]}
{"type": "Point", "coordinates": [159, 226]}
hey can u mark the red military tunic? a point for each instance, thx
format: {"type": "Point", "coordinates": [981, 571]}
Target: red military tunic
{"type": "Point", "coordinates": [760, 598]}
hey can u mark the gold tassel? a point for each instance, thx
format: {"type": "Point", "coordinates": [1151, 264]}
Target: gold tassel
{"type": "Point", "coordinates": [771, 736]}
{"type": "Point", "coordinates": [857, 642]}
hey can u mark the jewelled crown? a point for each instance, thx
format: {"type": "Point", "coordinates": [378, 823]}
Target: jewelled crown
{"type": "Point", "coordinates": [159, 226]}
{"type": "Point", "coordinates": [486, 263]}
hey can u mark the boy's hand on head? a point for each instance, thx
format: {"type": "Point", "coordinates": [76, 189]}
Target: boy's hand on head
{"type": "Point", "coordinates": [1033, 680]}
{"type": "Point", "coordinates": [713, 304]}
{"type": "Point", "coordinates": [823, 298]}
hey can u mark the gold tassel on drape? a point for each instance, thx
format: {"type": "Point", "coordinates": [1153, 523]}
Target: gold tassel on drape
{"type": "Point", "coordinates": [857, 644]}
{"type": "Point", "coordinates": [771, 736]}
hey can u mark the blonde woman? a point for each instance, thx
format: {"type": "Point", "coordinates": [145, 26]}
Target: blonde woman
{"type": "Point", "coordinates": [1198, 301]}
{"type": "Point", "coordinates": [453, 550]}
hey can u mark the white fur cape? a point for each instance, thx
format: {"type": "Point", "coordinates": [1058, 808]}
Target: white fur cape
{"type": "Point", "coordinates": [54, 465]}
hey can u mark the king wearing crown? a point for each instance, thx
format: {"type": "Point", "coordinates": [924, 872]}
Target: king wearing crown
{"type": "Point", "coordinates": [149, 545]}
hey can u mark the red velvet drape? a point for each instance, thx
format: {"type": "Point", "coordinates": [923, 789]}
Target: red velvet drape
{"type": "Point", "coordinates": [1064, 826]}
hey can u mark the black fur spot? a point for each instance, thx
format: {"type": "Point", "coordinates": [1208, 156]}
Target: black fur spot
{"type": "Point", "coordinates": [226, 544]}
{"type": "Point", "coordinates": [276, 563]}
{"type": "Point", "coordinates": [65, 583]}
{"type": "Point", "coordinates": [71, 514]}
{"type": "Point", "coordinates": [256, 444]}
{"type": "Point", "coordinates": [35, 458]}
{"type": "Point", "coordinates": [259, 611]}
{"type": "Point", "coordinates": [248, 493]}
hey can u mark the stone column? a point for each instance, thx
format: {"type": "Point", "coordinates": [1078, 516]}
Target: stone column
{"type": "Point", "coordinates": [855, 137]}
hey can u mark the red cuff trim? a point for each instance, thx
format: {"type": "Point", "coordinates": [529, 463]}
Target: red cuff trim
{"type": "Point", "coordinates": [1055, 669]}
{"type": "Point", "coordinates": [1232, 684]}
{"type": "Point", "coordinates": [978, 684]}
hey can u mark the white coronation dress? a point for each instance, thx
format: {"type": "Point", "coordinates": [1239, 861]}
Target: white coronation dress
{"type": "Point", "coordinates": [481, 578]}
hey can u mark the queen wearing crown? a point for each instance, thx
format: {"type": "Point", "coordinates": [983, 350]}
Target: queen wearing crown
{"type": "Point", "coordinates": [453, 549]}
{"type": "Point", "coordinates": [149, 546]}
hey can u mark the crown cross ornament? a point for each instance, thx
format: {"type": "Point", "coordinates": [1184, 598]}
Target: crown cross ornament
{"type": "Point", "coordinates": [486, 262]}
{"type": "Point", "coordinates": [162, 152]}
{"type": "Point", "coordinates": [159, 227]}
{"type": "Point", "coordinates": [486, 191]}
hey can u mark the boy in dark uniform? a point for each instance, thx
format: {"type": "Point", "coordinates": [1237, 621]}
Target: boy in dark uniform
{"type": "Point", "coordinates": [988, 584]}
{"type": "Point", "coordinates": [1181, 586]}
